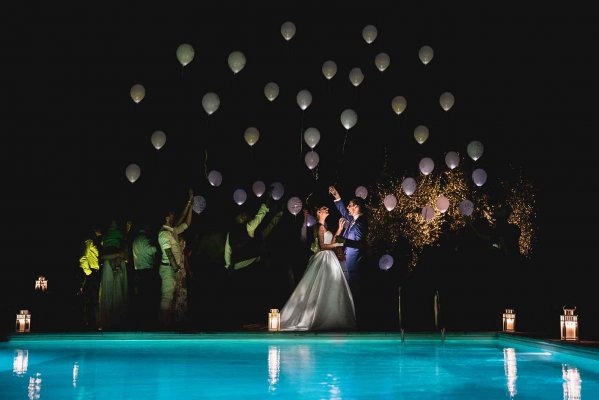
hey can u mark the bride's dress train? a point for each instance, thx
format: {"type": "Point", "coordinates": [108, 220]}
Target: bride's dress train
{"type": "Point", "coordinates": [322, 300]}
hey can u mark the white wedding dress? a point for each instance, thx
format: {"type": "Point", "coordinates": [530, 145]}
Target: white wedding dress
{"type": "Point", "coordinates": [322, 300]}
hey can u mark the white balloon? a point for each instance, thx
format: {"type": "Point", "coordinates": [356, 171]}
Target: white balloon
{"type": "Point", "coordinates": [369, 33]}
{"type": "Point", "coordinates": [409, 186]}
{"type": "Point", "coordinates": [311, 159]}
{"type": "Point", "coordinates": [329, 69]}
{"type": "Point", "coordinates": [251, 135]}
{"type": "Point", "coordinates": [271, 91]}
{"type": "Point", "coordinates": [215, 178]}
{"type": "Point", "coordinates": [239, 196]}
{"type": "Point", "coordinates": [210, 102]}
{"type": "Point", "coordinates": [294, 205]}
{"type": "Point", "coordinates": [421, 134]}
{"type": "Point", "coordinates": [382, 61]}
{"type": "Point", "coordinates": [428, 213]}
{"type": "Point", "coordinates": [385, 262]}
{"type": "Point", "coordinates": [137, 92]}
{"type": "Point", "coordinates": [158, 139]}
{"type": "Point", "coordinates": [426, 165]}
{"type": "Point", "coordinates": [479, 176]}
{"type": "Point", "coordinates": [446, 100]}
{"type": "Point", "coordinates": [304, 99]}
{"type": "Point", "coordinates": [475, 149]}
{"type": "Point", "coordinates": [466, 207]}
{"type": "Point", "coordinates": [310, 220]}
{"type": "Point", "coordinates": [288, 30]}
{"type": "Point", "coordinates": [312, 137]}
{"type": "Point", "coordinates": [132, 172]}
{"type": "Point", "coordinates": [258, 188]}
{"type": "Point", "coordinates": [399, 104]}
{"type": "Point", "coordinates": [426, 54]}
{"type": "Point", "coordinates": [452, 159]}
{"type": "Point", "coordinates": [199, 204]}
{"type": "Point", "coordinates": [277, 190]}
{"type": "Point", "coordinates": [362, 192]}
{"type": "Point", "coordinates": [442, 203]}
{"type": "Point", "coordinates": [236, 61]}
{"type": "Point", "coordinates": [356, 76]}
{"type": "Point", "coordinates": [349, 118]}
{"type": "Point", "coordinates": [390, 201]}
{"type": "Point", "coordinates": [185, 53]}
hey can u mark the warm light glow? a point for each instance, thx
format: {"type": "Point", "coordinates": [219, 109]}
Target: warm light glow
{"type": "Point", "coordinates": [509, 320]}
{"type": "Point", "coordinates": [511, 370]}
{"type": "Point", "coordinates": [23, 322]}
{"type": "Point", "coordinates": [572, 383]}
{"type": "Point", "coordinates": [20, 362]}
{"type": "Point", "coordinates": [569, 325]}
{"type": "Point", "coordinates": [274, 320]}
{"type": "Point", "coordinates": [41, 284]}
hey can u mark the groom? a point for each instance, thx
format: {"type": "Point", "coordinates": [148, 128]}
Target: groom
{"type": "Point", "coordinates": [354, 237]}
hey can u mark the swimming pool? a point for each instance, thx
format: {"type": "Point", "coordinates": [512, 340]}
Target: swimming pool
{"type": "Point", "coordinates": [293, 366]}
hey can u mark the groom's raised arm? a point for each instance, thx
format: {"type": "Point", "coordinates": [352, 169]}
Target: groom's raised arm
{"type": "Point", "coordinates": [339, 203]}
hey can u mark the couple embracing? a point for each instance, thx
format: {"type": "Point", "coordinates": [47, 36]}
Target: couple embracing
{"type": "Point", "coordinates": [323, 300]}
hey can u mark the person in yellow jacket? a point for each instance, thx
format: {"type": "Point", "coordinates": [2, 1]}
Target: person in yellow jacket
{"type": "Point", "coordinates": [90, 285]}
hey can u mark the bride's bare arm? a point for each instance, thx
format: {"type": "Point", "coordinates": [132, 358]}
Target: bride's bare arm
{"type": "Point", "coordinates": [321, 244]}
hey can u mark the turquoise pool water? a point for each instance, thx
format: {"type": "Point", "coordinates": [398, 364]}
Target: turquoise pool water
{"type": "Point", "coordinates": [258, 366]}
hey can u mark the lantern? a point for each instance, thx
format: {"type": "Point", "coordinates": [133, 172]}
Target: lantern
{"type": "Point", "coordinates": [41, 284]}
{"type": "Point", "coordinates": [509, 320]}
{"type": "Point", "coordinates": [569, 324]}
{"type": "Point", "coordinates": [274, 320]}
{"type": "Point", "coordinates": [23, 323]}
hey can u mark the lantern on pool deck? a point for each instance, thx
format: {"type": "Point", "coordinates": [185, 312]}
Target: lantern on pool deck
{"type": "Point", "coordinates": [23, 323]}
{"type": "Point", "coordinates": [41, 284]}
{"type": "Point", "coordinates": [274, 320]}
{"type": "Point", "coordinates": [509, 320]}
{"type": "Point", "coordinates": [569, 324]}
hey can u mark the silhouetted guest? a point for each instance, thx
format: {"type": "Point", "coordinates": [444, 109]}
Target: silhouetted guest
{"type": "Point", "coordinates": [90, 285]}
{"type": "Point", "coordinates": [146, 278]}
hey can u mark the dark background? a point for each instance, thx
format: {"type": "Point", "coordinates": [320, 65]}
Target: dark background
{"type": "Point", "coordinates": [525, 86]}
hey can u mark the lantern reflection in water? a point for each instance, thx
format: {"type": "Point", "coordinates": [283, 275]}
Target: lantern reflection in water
{"type": "Point", "coordinates": [20, 362]}
{"type": "Point", "coordinates": [572, 383]}
{"type": "Point", "coordinates": [274, 367]}
{"type": "Point", "coordinates": [511, 370]}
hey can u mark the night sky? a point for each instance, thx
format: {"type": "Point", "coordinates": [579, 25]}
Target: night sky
{"type": "Point", "coordinates": [524, 81]}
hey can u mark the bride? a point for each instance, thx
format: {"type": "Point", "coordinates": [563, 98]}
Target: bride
{"type": "Point", "coordinates": [322, 299]}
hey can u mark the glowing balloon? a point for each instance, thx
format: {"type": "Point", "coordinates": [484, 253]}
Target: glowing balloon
{"type": "Point", "coordinates": [199, 204]}
{"type": "Point", "coordinates": [390, 201]}
{"type": "Point", "coordinates": [426, 165]}
{"type": "Point", "coordinates": [466, 207]}
{"type": "Point", "coordinates": [399, 104]}
{"type": "Point", "coordinates": [428, 213]}
{"type": "Point", "coordinates": [385, 262]}
{"type": "Point", "coordinates": [259, 188]}
{"type": "Point", "coordinates": [304, 99]}
{"type": "Point", "coordinates": [277, 190]}
{"type": "Point", "coordinates": [442, 203]}
{"type": "Point", "coordinates": [452, 159]}
{"type": "Point", "coordinates": [251, 135]}
{"type": "Point", "coordinates": [426, 54]}
{"type": "Point", "coordinates": [312, 137]}
{"type": "Point", "coordinates": [132, 172]}
{"type": "Point", "coordinates": [294, 205]}
{"type": "Point", "coordinates": [158, 139]}
{"type": "Point", "coordinates": [138, 92]}
{"type": "Point", "coordinates": [239, 196]}
{"type": "Point", "coordinates": [210, 102]}
{"type": "Point", "coordinates": [382, 61]}
{"type": "Point", "coordinates": [475, 149]}
{"type": "Point", "coordinates": [236, 61]}
{"type": "Point", "coordinates": [185, 54]}
{"type": "Point", "coordinates": [479, 176]}
{"type": "Point", "coordinates": [349, 118]}
{"type": "Point", "coordinates": [356, 76]}
{"type": "Point", "coordinates": [288, 30]}
{"type": "Point", "coordinates": [310, 220]}
{"type": "Point", "coordinates": [409, 186]}
{"type": "Point", "coordinates": [311, 159]}
{"type": "Point", "coordinates": [329, 69]}
{"type": "Point", "coordinates": [271, 91]}
{"type": "Point", "coordinates": [215, 178]}
{"type": "Point", "coordinates": [446, 100]}
{"type": "Point", "coordinates": [362, 192]}
{"type": "Point", "coordinates": [421, 134]}
{"type": "Point", "coordinates": [369, 33]}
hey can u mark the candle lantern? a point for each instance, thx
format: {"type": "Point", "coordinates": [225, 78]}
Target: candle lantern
{"type": "Point", "coordinates": [23, 323]}
{"type": "Point", "coordinates": [509, 320]}
{"type": "Point", "coordinates": [41, 284]}
{"type": "Point", "coordinates": [569, 324]}
{"type": "Point", "coordinates": [274, 320]}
